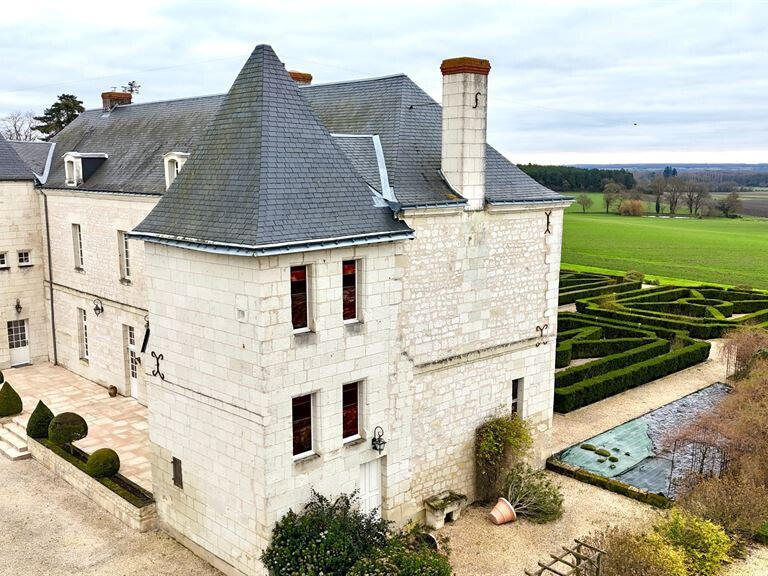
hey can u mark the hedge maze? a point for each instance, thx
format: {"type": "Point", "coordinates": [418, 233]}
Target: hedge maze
{"type": "Point", "coordinates": [576, 285]}
{"type": "Point", "coordinates": [622, 338]}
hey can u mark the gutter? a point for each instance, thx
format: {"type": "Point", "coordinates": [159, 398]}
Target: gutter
{"type": "Point", "coordinates": [50, 278]}
{"type": "Point", "coordinates": [273, 249]}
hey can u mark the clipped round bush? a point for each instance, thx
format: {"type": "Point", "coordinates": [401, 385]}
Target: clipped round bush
{"type": "Point", "coordinates": [103, 463]}
{"type": "Point", "coordinates": [66, 428]}
{"type": "Point", "coordinates": [39, 420]}
{"type": "Point", "coordinates": [10, 401]}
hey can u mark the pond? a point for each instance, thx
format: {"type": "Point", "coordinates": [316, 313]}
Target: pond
{"type": "Point", "coordinates": [639, 453]}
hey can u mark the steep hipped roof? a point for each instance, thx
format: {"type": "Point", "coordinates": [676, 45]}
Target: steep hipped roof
{"type": "Point", "coordinates": [266, 172]}
{"type": "Point", "coordinates": [35, 155]}
{"type": "Point", "coordinates": [12, 167]}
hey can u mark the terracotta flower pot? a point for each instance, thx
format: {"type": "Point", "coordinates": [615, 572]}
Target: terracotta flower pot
{"type": "Point", "coordinates": [112, 390]}
{"type": "Point", "coordinates": [503, 512]}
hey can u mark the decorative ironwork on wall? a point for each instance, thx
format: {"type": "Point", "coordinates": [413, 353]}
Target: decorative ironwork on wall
{"type": "Point", "coordinates": [541, 330]}
{"type": "Point", "coordinates": [156, 371]}
{"type": "Point", "coordinates": [548, 214]}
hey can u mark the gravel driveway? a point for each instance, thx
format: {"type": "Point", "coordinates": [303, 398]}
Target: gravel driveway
{"type": "Point", "coordinates": [46, 527]}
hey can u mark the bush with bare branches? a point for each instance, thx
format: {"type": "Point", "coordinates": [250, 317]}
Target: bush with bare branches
{"type": "Point", "coordinates": [741, 347]}
{"type": "Point", "coordinates": [628, 552]}
{"type": "Point", "coordinates": [631, 208]}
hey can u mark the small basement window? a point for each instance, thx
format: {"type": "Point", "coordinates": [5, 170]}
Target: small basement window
{"type": "Point", "coordinates": [302, 426]}
{"type": "Point", "coordinates": [299, 298]}
{"type": "Point", "coordinates": [178, 481]}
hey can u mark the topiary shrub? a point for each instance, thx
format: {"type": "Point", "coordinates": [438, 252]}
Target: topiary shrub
{"type": "Point", "coordinates": [499, 442]}
{"type": "Point", "coordinates": [103, 463]}
{"type": "Point", "coordinates": [533, 495]}
{"type": "Point", "coordinates": [704, 543]}
{"type": "Point", "coordinates": [66, 428]}
{"type": "Point", "coordinates": [325, 538]}
{"type": "Point", "coordinates": [39, 420]}
{"type": "Point", "coordinates": [10, 401]}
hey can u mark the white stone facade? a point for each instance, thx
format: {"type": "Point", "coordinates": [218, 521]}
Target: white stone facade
{"type": "Point", "coordinates": [22, 231]}
{"type": "Point", "coordinates": [448, 322]}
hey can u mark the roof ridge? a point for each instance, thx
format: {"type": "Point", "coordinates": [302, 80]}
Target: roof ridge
{"type": "Point", "coordinates": [352, 81]}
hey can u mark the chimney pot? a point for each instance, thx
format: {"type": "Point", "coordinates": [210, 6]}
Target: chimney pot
{"type": "Point", "coordinates": [300, 77]}
{"type": "Point", "coordinates": [465, 116]}
{"type": "Point", "coordinates": [114, 98]}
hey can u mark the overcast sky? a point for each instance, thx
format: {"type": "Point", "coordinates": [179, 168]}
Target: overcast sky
{"type": "Point", "coordinates": [570, 82]}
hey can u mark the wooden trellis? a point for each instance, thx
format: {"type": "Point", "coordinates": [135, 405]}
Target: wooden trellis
{"type": "Point", "coordinates": [581, 560]}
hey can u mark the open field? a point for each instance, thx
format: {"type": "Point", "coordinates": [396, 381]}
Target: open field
{"type": "Point", "coordinates": [719, 251]}
{"type": "Point", "coordinates": [754, 201]}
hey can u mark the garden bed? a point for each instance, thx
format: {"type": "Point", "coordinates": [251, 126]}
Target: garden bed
{"type": "Point", "coordinates": [127, 501]}
{"type": "Point", "coordinates": [636, 458]}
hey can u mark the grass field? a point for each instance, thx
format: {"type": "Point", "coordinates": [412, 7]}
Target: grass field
{"type": "Point", "coordinates": [598, 206]}
{"type": "Point", "coordinates": [713, 250]}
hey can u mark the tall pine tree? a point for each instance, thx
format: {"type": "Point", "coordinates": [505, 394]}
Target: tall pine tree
{"type": "Point", "coordinates": [61, 113]}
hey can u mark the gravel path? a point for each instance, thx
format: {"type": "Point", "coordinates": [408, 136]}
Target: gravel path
{"type": "Point", "coordinates": [47, 527]}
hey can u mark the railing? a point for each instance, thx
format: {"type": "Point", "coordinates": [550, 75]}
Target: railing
{"type": "Point", "coordinates": [581, 560]}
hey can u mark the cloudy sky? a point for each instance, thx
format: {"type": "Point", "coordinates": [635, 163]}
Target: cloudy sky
{"type": "Point", "coordinates": [571, 82]}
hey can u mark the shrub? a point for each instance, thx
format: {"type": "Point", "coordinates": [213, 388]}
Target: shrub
{"type": "Point", "coordinates": [39, 420]}
{"type": "Point", "coordinates": [325, 538]}
{"type": "Point", "coordinates": [631, 208]}
{"type": "Point", "coordinates": [634, 275]}
{"type": "Point", "coordinates": [533, 495]}
{"type": "Point", "coordinates": [741, 347]}
{"type": "Point", "coordinates": [103, 463]}
{"type": "Point", "coordinates": [704, 543]}
{"type": "Point", "coordinates": [639, 555]}
{"type": "Point", "coordinates": [402, 558]}
{"type": "Point", "coordinates": [66, 428]}
{"type": "Point", "coordinates": [10, 401]}
{"type": "Point", "coordinates": [499, 442]}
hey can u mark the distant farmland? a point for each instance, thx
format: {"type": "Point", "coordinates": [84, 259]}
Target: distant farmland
{"type": "Point", "coordinates": [718, 250]}
{"type": "Point", "coordinates": [754, 201]}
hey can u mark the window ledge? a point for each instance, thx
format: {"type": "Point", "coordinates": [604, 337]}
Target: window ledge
{"type": "Point", "coordinates": [352, 321]}
{"type": "Point", "coordinates": [79, 270]}
{"type": "Point", "coordinates": [305, 457]}
{"type": "Point", "coordinates": [84, 361]}
{"type": "Point", "coordinates": [26, 265]}
{"type": "Point", "coordinates": [125, 281]}
{"type": "Point", "coordinates": [4, 268]}
{"type": "Point", "coordinates": [354, 440]}
{"type": "Point", "coordinates": [299, 331]}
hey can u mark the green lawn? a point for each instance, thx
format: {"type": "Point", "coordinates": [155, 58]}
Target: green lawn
{"type": "Point", "coordinates": [598, 205]}
{"type": "Point", "coordinates": [714, 250]}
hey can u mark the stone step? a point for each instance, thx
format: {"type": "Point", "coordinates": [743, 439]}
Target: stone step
{"type": "Point", "coordinates": [11, 437]}
{"type": "Point", "coordinates": [11, 452]}
{"type": "Point", "coordinates": [17, 428]}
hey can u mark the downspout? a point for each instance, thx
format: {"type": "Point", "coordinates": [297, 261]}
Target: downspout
{"type": "Point", "coordinates": [50, 278]}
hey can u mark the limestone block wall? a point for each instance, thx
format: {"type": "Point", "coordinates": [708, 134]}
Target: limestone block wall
{"type": "Point", "coordinates": [100, 217]}
{"type": "Point", "coordinates": [22, 230]}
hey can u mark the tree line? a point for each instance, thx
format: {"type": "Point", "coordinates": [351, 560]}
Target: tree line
{"type": "Point", "coordinates": [568, 178]}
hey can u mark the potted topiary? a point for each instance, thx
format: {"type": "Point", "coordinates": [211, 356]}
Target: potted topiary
{"type": "Point", "coordinates": [39, 420]}
{"type": "Point", "coordinates": [10, 401]}
{"type": "Point", "coordinates": [66, 428]}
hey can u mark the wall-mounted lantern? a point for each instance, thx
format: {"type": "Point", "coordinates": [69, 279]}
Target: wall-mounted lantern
{"type": "Point", "coordinates": [18, 306]}
{"type": "Point", "coordinates": [98, 307]}
{"type": "Point", "coordinates": [378, 442]}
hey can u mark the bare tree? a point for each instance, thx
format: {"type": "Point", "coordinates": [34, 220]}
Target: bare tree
{"type": "Point", "coordinates": [729, 205]}
{"type": "Point", "coordinates": [674, 192]}
{"type": "Point", "coordinates": [19, 126]}
{"type": "Point", "coordinates": [611, 194]}
{"type": "Point", "coordinates": [695, 196]}
{"type": "Point", "coordinates": [658, 187]}
{"type": "Point", "coordinates": [584, 201]}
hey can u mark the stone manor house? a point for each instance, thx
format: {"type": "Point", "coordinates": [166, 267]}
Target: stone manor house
{"type": "Point", "coordinates": [310, 286]}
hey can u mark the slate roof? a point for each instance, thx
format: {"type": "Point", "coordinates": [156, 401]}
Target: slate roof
{"type": "Point", "coordinates": [12, 167]}
{"type": "Point", "coordinates": [266, 172]}
{"type": "Point", "coordinates": [361, 153]}
{"type": "Point", "coordinates": [33, 154]}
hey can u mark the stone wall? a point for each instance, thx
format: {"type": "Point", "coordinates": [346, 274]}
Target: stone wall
{"type": "Point", "coordinates": [100, 217]}
{"type": "Point", "coordinates": [22, 230]}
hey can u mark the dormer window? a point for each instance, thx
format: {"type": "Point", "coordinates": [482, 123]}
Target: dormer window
{"type": "Point", "coordinates": [79, 166]}
{"type": "Point", "coordinates": [174, 161]}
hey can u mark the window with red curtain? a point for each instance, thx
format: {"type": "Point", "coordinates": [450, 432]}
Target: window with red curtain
{"type": "Point", "coordinates": [349, 283]}
{"type": "Point", "coordinates": [299, 298]}
{"type": "Point", "coordinates": [351, 410]}
{"type": "Point", "coordinates": [302, 424]}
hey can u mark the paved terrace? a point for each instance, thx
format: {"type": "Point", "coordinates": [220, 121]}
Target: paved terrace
{"type": "Point", "coordinates": [119, 423]}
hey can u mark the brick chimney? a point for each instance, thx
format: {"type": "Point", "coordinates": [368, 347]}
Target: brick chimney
{"type": "Point", "coordinates": [465, 116]}
{"type": "Point", "coordinates": [300, 77]}
{"type": "Point", "coordinates": [111, 99]}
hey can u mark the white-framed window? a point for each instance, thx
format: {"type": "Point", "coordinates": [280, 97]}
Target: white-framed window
{"type": "Point", "coordinates": [3, 259]}
{"type": "Point", "coordinates": [302, 415]}
{"type": "Point", "coordinates": [82, 333]}
{"type": "Point", "coordinates": [125, 256]}
{"type": "Point", "coordinates": [174, 162]}
{"type": "Point", "coordinates": [350, 282]}
{"type": "Point", "coordinates": [517, 396]}
{"type": "Point", "coordinates": [73, 170]}
{"type": "Point", "coordinates": [77, 245]}
{"type": "Point", "coordinates": [25, 258]}
{"type": "Point", "coordinates": [301, 299]}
